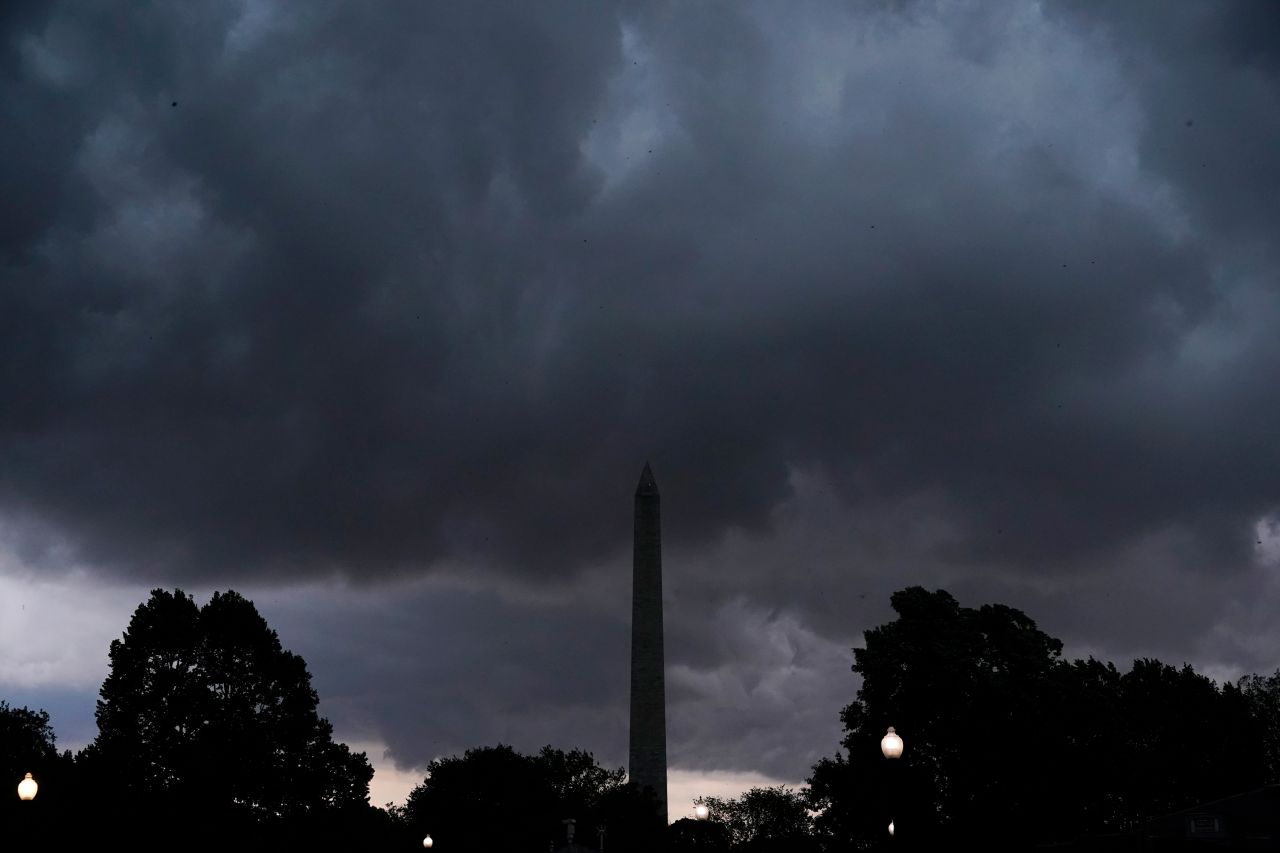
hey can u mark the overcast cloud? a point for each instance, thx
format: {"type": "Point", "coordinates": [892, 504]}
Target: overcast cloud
{"type": "Point", "coordinates": [376, 311]}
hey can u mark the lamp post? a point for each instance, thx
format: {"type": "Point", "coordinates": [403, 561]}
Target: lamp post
{"type": "Point", "coordinates": [891, 748]}
{"type": "Point", "coordinates": [27, 788]}
{"type": "Point", "coordinates": [701, 812]}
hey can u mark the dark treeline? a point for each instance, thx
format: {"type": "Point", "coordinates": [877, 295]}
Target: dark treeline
{"type": "Point", "coordinates": [209, 738]}
{"type": "Point", "coordinates": [495, 798]}
{"type": "Point", "coordinates": [1009, 745]}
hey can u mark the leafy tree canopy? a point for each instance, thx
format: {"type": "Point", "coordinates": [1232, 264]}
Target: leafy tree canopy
{"type": "Point", "coordinates": [1262, 693]}
{"type": "Point", "coordinates": [688, 835]}
{"type": "Point", "coordinates": [495, 798]}
{"type": "Point", "coordinates": [1005, 740]}
{"type": "Point", "coordinates": [762, 819]}
{"type": "Point", "coordinates": [203, 709]}
{"type": "Point", "coordinates": [27, 742]}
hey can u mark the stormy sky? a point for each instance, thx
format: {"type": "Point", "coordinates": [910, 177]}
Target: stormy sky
{"type": "Point", "coordinates": [374, 313]}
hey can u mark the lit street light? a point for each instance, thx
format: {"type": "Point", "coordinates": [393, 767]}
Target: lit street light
{"type": "Point", "coordinates": [27, 788]}
{"type": "Point", "coordinates": [891, 744]}
{"type": "Point", "coordinates": [701, 812]}
{"type": "Point", "coordinates": [891, 747]}
{"type": "Point", "coordinates": [427, 842]}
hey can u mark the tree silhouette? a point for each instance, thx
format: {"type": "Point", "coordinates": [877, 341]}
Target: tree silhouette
{"type": "Point", "coordinates": [27, 743]}
{"type": "Point", "coordinates": [1262, 693]}
{"type": "Point", "coordinates": [495, 798]}
{"type": "Point", "coordinates": [959, 684]}
{"type": "Point", "coordinates": [1182, 740]}
{"type": "Point", "coordinates": [204, 715]}
{"type": "Point", "coordinates": [697, 836]}
{"type": "Point", "coordinates": [762, 819]}
{"type": "Point", "coordinates": [152, 707]}
{"type": "Point", "coordinates": [1007, 744]}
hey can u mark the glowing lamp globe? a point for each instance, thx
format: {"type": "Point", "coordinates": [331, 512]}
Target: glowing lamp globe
{"type": "Point", "coordinates": [701, 812]}
{"type": "Point", "coordinates": [891, 827]}
{"type": "Point", "coordinates": [427, 842]}
{"type": "Point", "coordinates": [891, 744]}
{"type": "Point", "coordinates": [27, 788]}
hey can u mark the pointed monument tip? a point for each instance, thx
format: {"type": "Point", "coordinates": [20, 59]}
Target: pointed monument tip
{"type": "Point", "coordinates": [647, 485]}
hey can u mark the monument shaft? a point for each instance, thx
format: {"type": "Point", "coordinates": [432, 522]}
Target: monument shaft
{"type": "Point", "coordinates": [648, 752]}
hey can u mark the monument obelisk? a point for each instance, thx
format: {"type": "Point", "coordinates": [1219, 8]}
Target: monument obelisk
{"type": "Point", "coordinates": [648, 754]}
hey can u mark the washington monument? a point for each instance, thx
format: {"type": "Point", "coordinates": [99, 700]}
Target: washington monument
{"type": "Point", "coordinates": [647, 766]}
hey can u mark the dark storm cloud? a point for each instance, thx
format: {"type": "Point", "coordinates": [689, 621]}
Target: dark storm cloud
{"type": "Point", "coordinates": [282, 316]}
{"type": "Point", "coordinates": [970, 295]}
{"type": "Point", "coordinates": [439, 670]}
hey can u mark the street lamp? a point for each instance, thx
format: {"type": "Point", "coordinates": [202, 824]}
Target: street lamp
{"type": "Point", "coordinates": [427, 842]}
{"type": "Point", "coordinates": [701, 812]}
{"type": "Point", "coordinates": [891, 747]}
{"type": "Point", "coordinates": [27, 788]}
{"type": "Point", "coordinates": [891, 744]}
